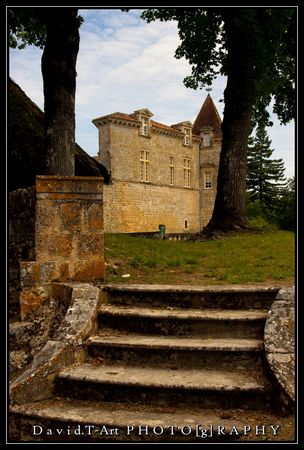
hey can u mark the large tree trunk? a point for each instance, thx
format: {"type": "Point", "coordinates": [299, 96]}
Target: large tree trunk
{"type": "Point", "coordinates": [229, 208]}
{"type": "Point", "coordinates": [239, 97]}
{"type": "Point", "coordinates": [59, 78]}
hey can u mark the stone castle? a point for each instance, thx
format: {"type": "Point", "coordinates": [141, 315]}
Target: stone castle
{"type": "Point", "coordinates": [160, 174]}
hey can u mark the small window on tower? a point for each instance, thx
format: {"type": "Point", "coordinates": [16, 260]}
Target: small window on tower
{"type": "Point", "coordinates": [206, 140]}
{"type": "Point", "coordinates": [208, 180]}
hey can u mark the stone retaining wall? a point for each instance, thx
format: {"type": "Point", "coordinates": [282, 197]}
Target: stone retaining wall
{"type": "Point", "coordinates": [279, 340]}
{"type": "Point", "coordinates": [64, 347]}
{"type": "Point", "coordinates": [21, 210]}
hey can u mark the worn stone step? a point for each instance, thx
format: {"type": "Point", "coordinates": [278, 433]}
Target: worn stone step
{"type": "Point", "coordinates": [228, 297]}
{"type": "Point", "coordinates": [163, 378]}
{"type": "Point", "coordinates": [178, 322]}
{"type": "Point", "coordinates": [223, 388]}
{"type": "Point", "coordinates": [189, 314]}
{"type": "Point", "coordinates": [79, 421]}
{"type": "Point", "coordinates": [173, 352]}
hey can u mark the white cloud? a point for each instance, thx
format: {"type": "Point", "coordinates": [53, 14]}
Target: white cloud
{"type": "Point", "coordinates": [125, 64]}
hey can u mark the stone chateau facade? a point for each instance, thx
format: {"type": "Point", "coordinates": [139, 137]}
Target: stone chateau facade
{"type": "Point", "coordinates": [160, 174]}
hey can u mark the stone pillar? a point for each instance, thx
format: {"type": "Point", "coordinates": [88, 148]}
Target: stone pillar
{"type": "Point", "coordinates": [69, 236]}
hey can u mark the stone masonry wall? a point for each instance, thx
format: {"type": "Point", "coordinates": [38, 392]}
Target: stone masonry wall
{"type": "Point", "coordinates": [134, 206]}
{"type": "Point", "coordinates": [68, 235]}
{"type": "Point", "coordinates": [21, 240]}
{"type": "Point", "coordinates": [126, 144]}
{"type": "Point", "coordinates": [139, 207]}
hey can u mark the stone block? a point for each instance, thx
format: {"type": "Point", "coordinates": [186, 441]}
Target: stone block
{"type": "Point", "coordinates": [32, 299]}
{"type": "Point", "coordinates": [37, 273]}
{"type": "Point", "coordinates": [70, 216]}
{"type": "Point", "coordinates": [94, 217]}
{"type": "Point", "coordinates": [46, 216]}
{"type": "Point", "coordinates": [54, 246]}
{"type": "Point", "coordinates": [88, 270]}
{"type": "Point", "coordinates": [89, 245]}
{"type": "Point", "coordinates": [68, 184]}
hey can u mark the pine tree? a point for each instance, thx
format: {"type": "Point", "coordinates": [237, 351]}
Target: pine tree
{"type": "Point", "coordinates": [265, 176]}
{"type": "Point", "coordinates": [286, 206]}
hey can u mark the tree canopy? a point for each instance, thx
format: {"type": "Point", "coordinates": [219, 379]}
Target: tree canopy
{"type": "Point", "coordinates": [28, 26]}
{"type": "Point", "coordinates": [261, 41]}
{"type": "Point", "coordinates": [255, 47]}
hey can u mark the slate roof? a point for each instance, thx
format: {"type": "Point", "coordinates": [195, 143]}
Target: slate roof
{"type": "Point", "coordinates": [208, 116]}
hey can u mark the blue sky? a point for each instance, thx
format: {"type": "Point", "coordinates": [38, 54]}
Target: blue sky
{"type": "Point", "coordinates": [125, 64]}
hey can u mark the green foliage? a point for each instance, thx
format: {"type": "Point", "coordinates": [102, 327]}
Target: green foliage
{"type": "Point", "coordinates": [265, 176]}
{"type": "Point", "coordinates": [285, 207]}
{"type": "Point", "coordinates": [281, 214]}
{"type": "Point", "coordinates": [28, 26]}
{"type": "Point", "coordinates": [256, 44]}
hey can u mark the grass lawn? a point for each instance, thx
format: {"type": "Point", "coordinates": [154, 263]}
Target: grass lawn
{"type": "Point", "coordinates": [247, 258]}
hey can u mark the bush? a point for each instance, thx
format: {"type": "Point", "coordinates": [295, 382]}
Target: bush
{"type": "Point", "coordinates": [261, 222]}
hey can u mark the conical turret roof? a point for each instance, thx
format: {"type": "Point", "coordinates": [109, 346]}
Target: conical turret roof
{"type": "Point", "coordinates": [208, 116]}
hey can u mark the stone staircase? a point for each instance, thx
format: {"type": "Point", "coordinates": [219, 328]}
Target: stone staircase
{"type": "Point", "coordinates": [165, 364]}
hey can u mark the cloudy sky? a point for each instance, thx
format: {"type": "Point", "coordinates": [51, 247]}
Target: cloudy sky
{"type": "Point", "coordinates": [125, 64]}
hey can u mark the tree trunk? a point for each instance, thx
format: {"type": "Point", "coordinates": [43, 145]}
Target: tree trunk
{"type": "Point", "coordinates": [59, 83]}
{"type": "Point", "coordinates": [229, 208]}
{"type": "Point", "coordinates": [240, 96]}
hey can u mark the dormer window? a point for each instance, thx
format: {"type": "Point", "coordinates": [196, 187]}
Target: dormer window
{"type": "Point", "coordinates": [144, 126]}
{"type": "Point", "coordinates": [143, 116]}
{"type": "Point", "coordinates": [186, 129]}
{"type": "Point", "coordinates": [186, 136]}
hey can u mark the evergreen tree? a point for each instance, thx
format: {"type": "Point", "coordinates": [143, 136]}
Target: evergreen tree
{"type": "Point", "coordinates": [285, 207]}
{"type": "Point", "coordinates": [265, 176]}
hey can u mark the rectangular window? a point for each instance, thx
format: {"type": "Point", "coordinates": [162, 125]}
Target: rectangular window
{"type": "Point", "coordinates": [187, 173]}
{"type": "Point", "coordinates": [208, 180]}
{"type": "Point", "coordinates": [171, 170]}
{"type": "Point", "coordinates": [144, 127]}
{"type": "Point", "coordinates": [206, 140]}
{"type": "Point", "coordinates": [144, 166]}
{"type": "Point", "coordinates": [187, 137]}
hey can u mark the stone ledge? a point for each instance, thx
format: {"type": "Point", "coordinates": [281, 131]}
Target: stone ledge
{"type": "Point", "coordinates": [186, 288]}
{"type": "Point", "coordinates": [64, 349]}
{"type": "Point", "coordinates": [279, 340]}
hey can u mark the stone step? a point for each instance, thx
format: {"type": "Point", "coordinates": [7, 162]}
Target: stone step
{"type": "Point", "coordinates": [79, 421]}
{"type": "Point", "coordinates": [177, 321]}
{"type": "Point", "coordinates": [224, 388]}
{"type": "Point", "coordinates": [189, 314]}
{"type": "Point", "coordinates": [228, 297]}
{"type": "Point", "coordinates": [173, 352]}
